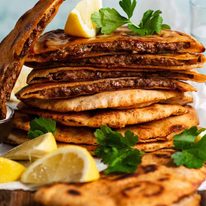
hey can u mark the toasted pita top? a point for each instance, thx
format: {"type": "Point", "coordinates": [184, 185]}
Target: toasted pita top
{"type": "Point", "coordinates": [112, 118]}
{"type": "Point", "coordinates": [120, 40]}
{"type": "Point", "coordinates": [133, 61]}
{"type": "Point", "coordinates": [70, 90]}
{"type": "Point", "coordinates": [160, 130]}
{"type": "Point", "coordinates": [81, 74]}
{"type": "Point", "coordinates": [115, 99]}
{"type": "Point", "coordinates": [151, 185]}
{"type": "Point", "coordinates": [18, 43]}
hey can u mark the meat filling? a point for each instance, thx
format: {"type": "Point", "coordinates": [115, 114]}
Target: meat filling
{"type": "Point", "coordinates": [87, 75]}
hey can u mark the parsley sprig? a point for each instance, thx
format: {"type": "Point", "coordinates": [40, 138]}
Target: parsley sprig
{"type": "Point", "coordinates": [40, 126]}
{"type": "Point", "coordinates": [109, 19]}
{"type": "Point", "coordinates": [191, 153]}
{"type": "Point", "coordinates": [116, 151]}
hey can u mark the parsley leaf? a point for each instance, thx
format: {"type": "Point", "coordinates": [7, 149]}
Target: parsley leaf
{"type": "Point", "coordinates": [116, 151]}
{"type": "Point", "coordinates": [190, 153]}
{"type": "Point", "coordinates": [128, 7]}
{"type": "Point", "coordinates": [187, 159]}
{"type": "Point", "coordinates": [109, 19]}
{"type": "Point", "coordinates": [40, 126]}
{"type": "Point", "coordinates": [186, 139]}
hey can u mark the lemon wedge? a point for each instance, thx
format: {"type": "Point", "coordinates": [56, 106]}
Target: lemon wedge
{"type": "Point", "coordinates": [9, 170]}
{"type": "Point", "coordinates": [33, 149]}
{"type": "Point", "coordinates": [79, 21]}
{"type": "Point", "coordinates": [200, 136]}
{"type": "Point", "coordinates": [67, 164]}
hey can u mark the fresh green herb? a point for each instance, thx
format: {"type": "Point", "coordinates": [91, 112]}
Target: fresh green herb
{"type": "Point", "coordinates": [116, 151]}
{"type": "Point", "coordinates": [40, 126]}
{"type": "Point", "coordinates": [109, 19]}
{"type": "Point", "coordinates": [190, 153]}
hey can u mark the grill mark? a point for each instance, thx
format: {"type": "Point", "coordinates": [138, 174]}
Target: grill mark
{"type": "Point", "coordinates": [74, 192]}
{"type": "Point", "coordinates": [149, 168]}
{"type": "Point", "coordinates": [181, 198]}
{"type": "Point", "coordinates": [164, 156]}
{"type": "Point", "coordinates": [176, 128]}
{"type": "Point", "coordinates": [144, 188]}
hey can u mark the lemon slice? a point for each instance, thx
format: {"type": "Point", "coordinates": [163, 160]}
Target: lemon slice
{"type": "Point", "coordinates": [79, 20]}
{"type": "Point", "coordinates": [200, 136]}
{"type": "Point", "coordinates": [67, 164]}
{"type": "Point", "coordinates": [9, 170]}
{"type": "Point", "coordinates": [33, 149]}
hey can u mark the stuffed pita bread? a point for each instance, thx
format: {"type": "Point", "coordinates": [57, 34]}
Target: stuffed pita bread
{"type": "Point", "coordinates": [17, 44]}
{"type": "Point", "coordinates": [70, 90]}
{"type": "Point", "coordinates": [131, 61]}
{"type": "Point", "coordinates": [121, 40]}
{"type": "Point", "coordinates": [81, 74]}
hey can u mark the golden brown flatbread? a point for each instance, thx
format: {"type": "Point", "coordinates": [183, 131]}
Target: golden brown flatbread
{"type": "Point", "coordinates": [70, 90]}
{"type": "Point", "coordinates": [115, 99]}
{"type": "Point", "coordinates": [121, 40]}
{"type": "Point", "coordinates": [160, 130]}
{"type": "Point", "coordinates": [17, 44]}
{"type": "Point", "coordinates": [151, 185]}
{"type": "Point", "coordinates": [112, 118]}
{"type": "Point", "coordinates": [81, 74]}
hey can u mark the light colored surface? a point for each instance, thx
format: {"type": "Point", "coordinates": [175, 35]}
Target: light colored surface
{"type": "Point", "coordinates": [21, 82]}
{"type": "Point", "coordinates": [175, 12]}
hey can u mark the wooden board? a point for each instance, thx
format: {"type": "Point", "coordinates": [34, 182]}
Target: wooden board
{"type": "Point", "coordinates": [16, 198]}
{"type": "Point", "coordinates": [21, 198]}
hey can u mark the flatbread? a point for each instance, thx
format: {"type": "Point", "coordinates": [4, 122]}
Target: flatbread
{"type": "Point", "coordinates": [115, 99]}
{"type": "Point", "coordinates": [181, 100]}
{"type": "Point", "coordinates": [135, 61]}
{"type": "Point", "coordinates": [17, 44]}
{"type": "Point", "coordinates": [70, 90]}
{"type": "Point", "coordinates": [81, 74]}
{"type": "Point", "coordinates": [160, 130]}
{"type": "Point", "coordinates": [112, 118]}
{"type": "Point", "coordinates": [121, 40]}
{"type": "Point", "coordinates": [151, 185]}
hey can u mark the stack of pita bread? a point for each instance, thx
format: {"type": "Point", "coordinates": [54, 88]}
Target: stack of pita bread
{"type": "Point", "coordinates": [121, 80]}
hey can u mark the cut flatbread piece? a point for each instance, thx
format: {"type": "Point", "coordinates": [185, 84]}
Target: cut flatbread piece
{"type": "Point", "coordinates": [160, 130]}
{"type": "Point", "coordinates": [151, 185]}
{"type": "Point", "coordinates": [71, 90]}
{"type": "Point", "coordinates": [114, 99]}
{"type": "Point", "coordinates": [17, 44]}
{"type": "Point", "coordinates": [112, 118]}
{"type": "Point", "coordinates": [81, 74]}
